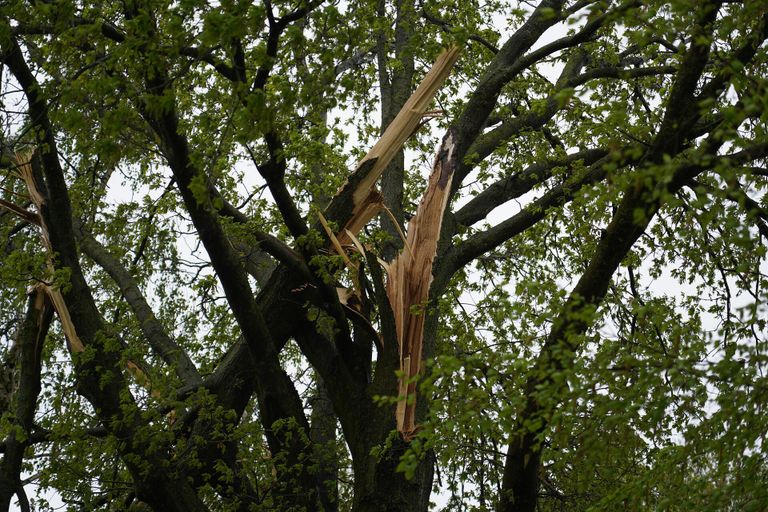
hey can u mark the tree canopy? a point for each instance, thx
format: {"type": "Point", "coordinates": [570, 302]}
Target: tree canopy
{"type": "Point", "coordinates": [383, 255]}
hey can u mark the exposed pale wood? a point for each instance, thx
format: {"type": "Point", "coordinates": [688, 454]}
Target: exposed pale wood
{"type": "Point", "coordinates": [355, 242]}
{"type": "Point", "coordinates": [406, 121]}
{"type": "Point", "coordinates": [24, 166]}
{"type": "Point", "coordinates": [336, 243]}
{"type": "Point", "coordinates": [366, 199]}
{"type": "Point", "coordinates": [75, 343]}
{"type": "Point", "coordinates": [364, 211]}
{"type": "Point", "coordinates": [402, 403]}
{"type": "Point", "coordinates": [24, 163]}
{"type": "Point", "coordinates": [410, 276]}
{"type": "Point", "coordinates": [142, 379]}
{"type": "Point", "coordinates": [399, 231]}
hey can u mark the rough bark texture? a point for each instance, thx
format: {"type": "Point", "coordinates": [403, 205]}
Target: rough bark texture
{"type": "Point", "coordinates": [30, 340]}
{"type": "Point", "coordinates": [522, 466]}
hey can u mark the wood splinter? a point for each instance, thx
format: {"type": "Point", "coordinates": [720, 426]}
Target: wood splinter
{"type": "Point", "coordinates": [24, 166]}
{"type": "Point", "coordinates": [409, 276]}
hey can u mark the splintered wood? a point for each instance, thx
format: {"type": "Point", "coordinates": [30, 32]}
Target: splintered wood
{"type": "Point", "coordinates": [24, 166]}
{"type": "Point", "coordinates": [409, 277]}
{"type": "Point", "coordinates": [367, 200]}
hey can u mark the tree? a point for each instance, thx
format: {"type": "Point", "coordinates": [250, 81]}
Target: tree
{"type": "Point", "coordinates": [572, 318]}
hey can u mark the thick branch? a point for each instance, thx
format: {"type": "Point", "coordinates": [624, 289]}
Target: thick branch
{"type": "Point", "coordinates": [276, 28]}
{"type": "Point", "coordinates": [56, 215]}
{"type": "Point", "coordinates": [30, 341]}
{"type": "Point", "coordinates": [223, 258]}
{"type": "Point", "coordinates": [487, 143]}
{"type": "Point", "coordinates": [510, 62]}
{"type": "Point", "coordinates": [276, 394]}
{"type": "Point", "coordinates": [500, 71]}
{"type": "Point", "coordinates": [485, 241]}
{"type": "Point", "coordinates": [111, 398]}
{"type": "Point", "coordinates": [267, 243]}
{"type": "Point", "coordinates": [153, 330]}
{"type": "Point", "coordinates": [273, 173]}
{"type": "Point", "coordinates": [736, 193]}
{"type": "Point", "coordinates": [41, 435]}
{"type": "Point", "coordinates": [638, 206]}
{"type": "Point", "coordinates": [520, 183]}
{"type": "Point", "coordinates": [208, 57]}
{"type": "Point", "coordinates": [744, 54]}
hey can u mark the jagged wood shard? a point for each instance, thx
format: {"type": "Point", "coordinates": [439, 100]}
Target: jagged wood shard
{"type": "Point", "coordinates": [409, 277]}
{"type": "Point", "coordinates": [366, 199]}
{"type": "Point", "coordinates": [20, 212]}
{"type": "Point", "coordinates": [24, 163]}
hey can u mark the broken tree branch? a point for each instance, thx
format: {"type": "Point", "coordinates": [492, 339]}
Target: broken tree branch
{"type": "Point", "coordinates": [410, 276]}
{"type": "Point", "coordinates": [365, 198]}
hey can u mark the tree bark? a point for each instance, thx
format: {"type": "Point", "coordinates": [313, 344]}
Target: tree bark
{"type": "Point", "coordinates": [30, 341]}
